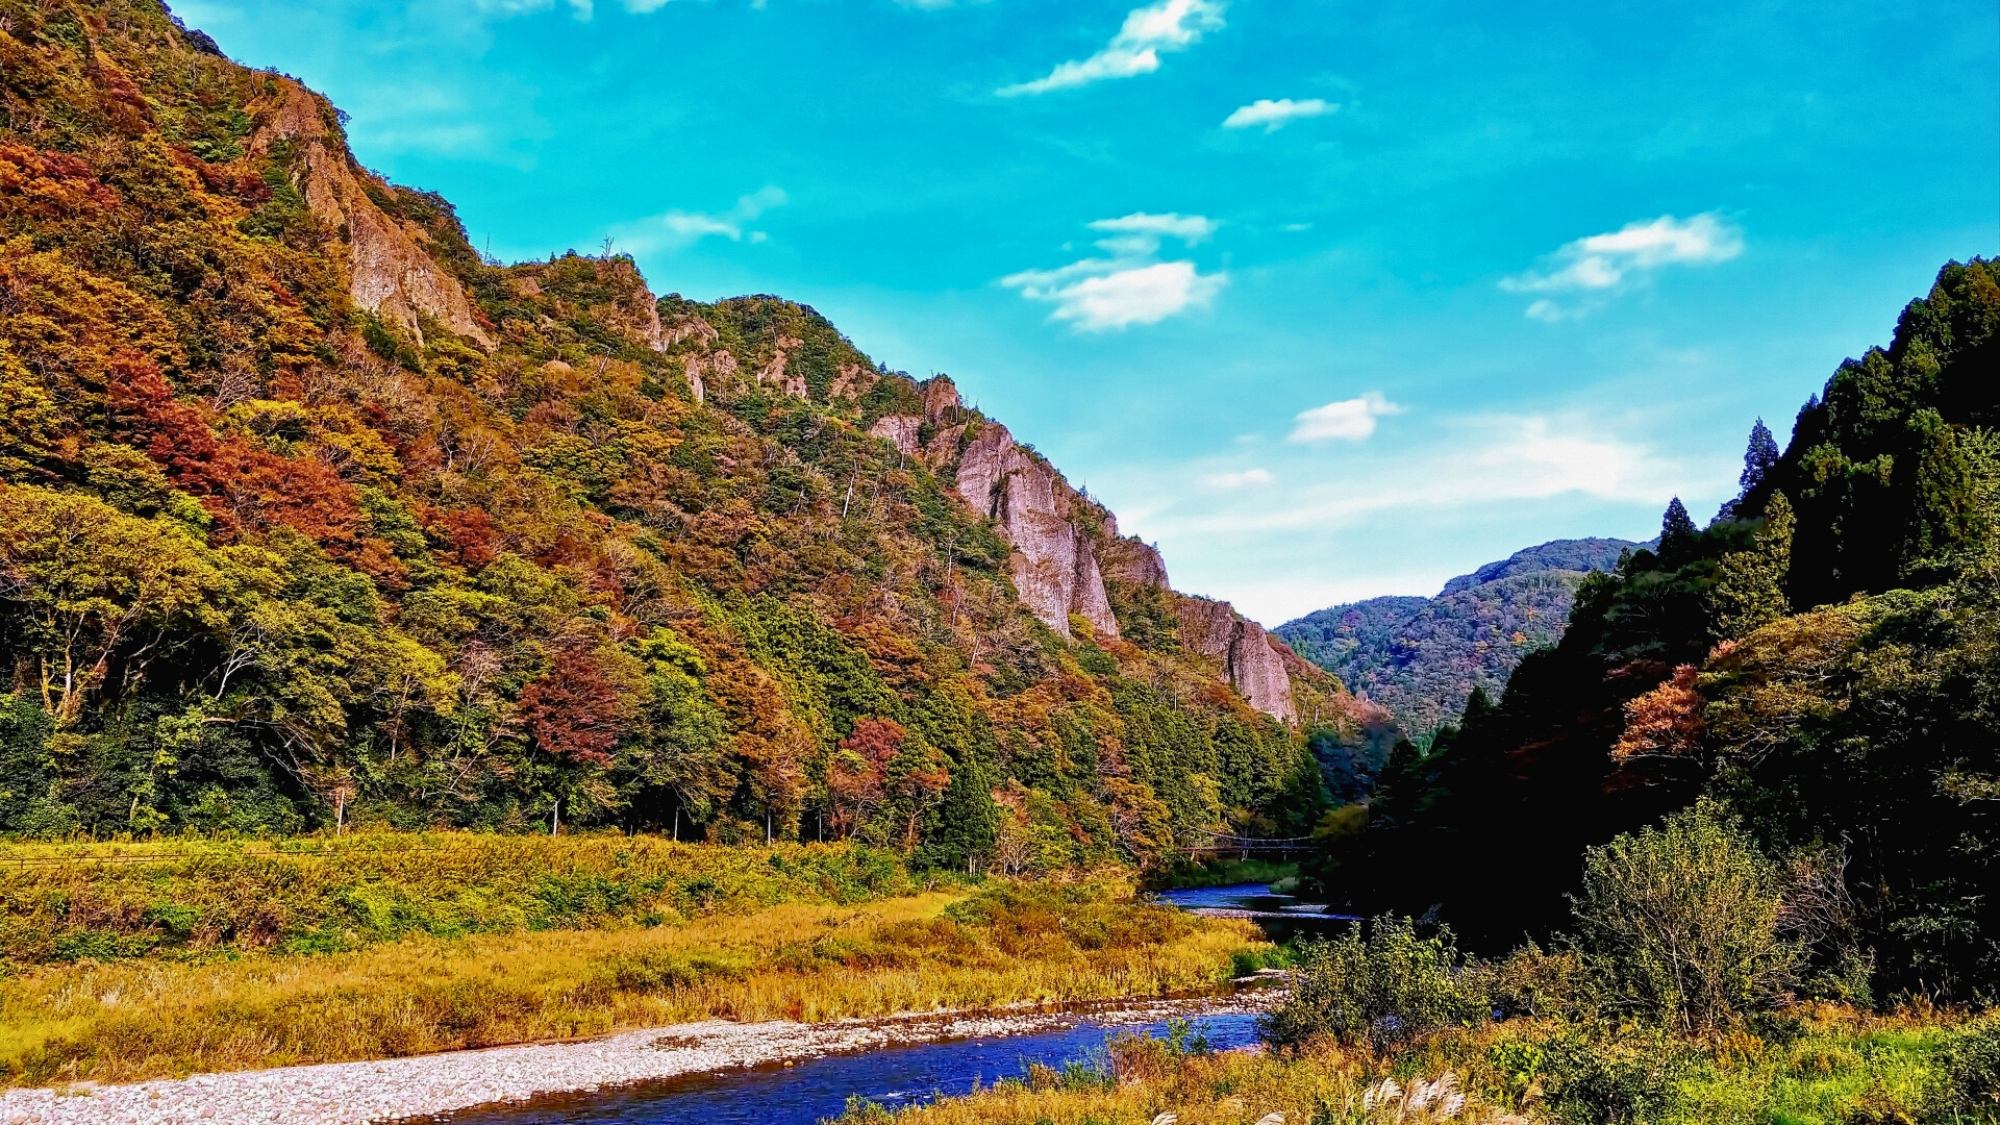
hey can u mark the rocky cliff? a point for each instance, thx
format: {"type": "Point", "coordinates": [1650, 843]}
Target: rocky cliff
{"type": "Point", "coordinates": [390, 274]}
{"type": "Point", "coordinates": [1254, 660]}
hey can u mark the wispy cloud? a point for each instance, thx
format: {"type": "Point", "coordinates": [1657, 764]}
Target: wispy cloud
{"type": "Point", "coordinates": [1231, 482]}
{"type": "Point", "coordinates": [678, 228]}
{"type": "Point", "coordinates": [1594, 269]}
{"type": "Point", "coordinates": [582, 9]}
{"type": "Point", "coordinates": [1351, 419]}
{"type": "Point", "coordinates": [1130, 286]}
{"type": "Point", "coordinates": [1469, 460]}
{"type": "Point", "coordinates": [1191, 229]}
{"type": "Point", "coordinates": [1170, 25]}
{"type": "Point", "coordinates": [1275, 115]}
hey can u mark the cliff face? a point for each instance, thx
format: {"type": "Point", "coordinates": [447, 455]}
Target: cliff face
{"type": "Point", "coordinates": [1253, 660]}
{"type": "Point", "coordinates": [390, 274]}
{"type": "Point", "coordinates": [1067, 546]}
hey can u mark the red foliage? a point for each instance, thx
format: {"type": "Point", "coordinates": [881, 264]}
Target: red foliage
{"type": "Point", "coordinates": [140, 402]}
{"type": "Point", "coordinates": [49, 185]}
{"type": "Point", "coordinates": [244, 484]}
{"type": "Point", "coordinates": [475, 542]}
{"type": "Point", "coordinates": [573, 710]}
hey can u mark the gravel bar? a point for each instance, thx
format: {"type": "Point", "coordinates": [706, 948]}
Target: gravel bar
{"type": "Point", "coordinates": [358, 1093]}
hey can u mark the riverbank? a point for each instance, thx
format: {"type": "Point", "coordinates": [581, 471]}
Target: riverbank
{"type": "Point", "coordinates": [359, 1093]}
{"type": "Point", "coordinates": [988, 948]}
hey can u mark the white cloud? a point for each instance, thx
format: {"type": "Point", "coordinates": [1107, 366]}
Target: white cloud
{"type": "Point", "coordinates": [582, 9]}
{"type": "Point", "coordinates": [1470, 461]}
{"type": "Point", "coordinates": [1190, 229]}
{"type": "Point", "coordinates": [1119, 298]}
{"type": "Point", "coordinates": [684, 228]}
{"type": "Point", "coordinates": [1170, 25]}
{"type": "Point", "coordinates": [1601, 265]}
{"type": "Point", "coordinates": [1130, 286]}
{"type": "Point", "coordinates": [1275, 115]}
{"type": "Point", "coordinates": [1230, 482]}
{"type": "Point", "coordinates": [1350, 419]}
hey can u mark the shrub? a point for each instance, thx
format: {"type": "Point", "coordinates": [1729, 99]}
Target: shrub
{"type": "Point", "coordinates": [1972, 1071]}
{"type": "Point", "coordinates": [1385, 989]}
{"type": "Point", "coordinates": [1680, 923]}
{"type": "Point", "coordinates": [1606, 1082]}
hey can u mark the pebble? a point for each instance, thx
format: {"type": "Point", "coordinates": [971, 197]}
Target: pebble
{"type": "Point", "coordinates": [371, 1093]}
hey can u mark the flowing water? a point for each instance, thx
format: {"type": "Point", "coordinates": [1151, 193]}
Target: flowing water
{"type": "Point", "coordinates": [811, 1091]}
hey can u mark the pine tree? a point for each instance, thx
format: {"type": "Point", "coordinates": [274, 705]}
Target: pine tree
{"type": "Point", "coordinates": [1676, 532]}
{"type": "Point", "coordinates": [1749, 588]}
{"type": "Point", "coordinates": [1760, 458]}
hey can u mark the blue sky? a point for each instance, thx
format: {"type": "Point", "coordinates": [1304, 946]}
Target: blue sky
{"type": "Point", "coordinates": [1329, 298]}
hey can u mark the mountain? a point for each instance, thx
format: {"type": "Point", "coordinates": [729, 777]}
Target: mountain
{"type": "Point", "coordinates": [1819, 661]}
{"type": "Point", "coordinates": [310, 516]}
{"type": "Point", "coordinates": [1421, 657]}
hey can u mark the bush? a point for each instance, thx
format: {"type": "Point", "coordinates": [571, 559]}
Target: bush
{"type": "Point", "coordinates": [1606, 1082]}
{"type": "Point", "coordinates": [1386, 989]}
{"type": "Point", "coordinates": [1680, 924]}
{"type": "Point", "coordinates": [1972, 1071]}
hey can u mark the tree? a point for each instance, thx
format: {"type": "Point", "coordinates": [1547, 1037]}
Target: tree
{"type": "Point", "coordinates": [1759, 459]}
{"type": "Point", "coordinates": [572, 710]}
{"type": "Point", "coordinates": [1749, 589]}
{"type": "Point", "coordinates": [92, 586]}
{"type": "Point", "coordinates": [1681, 923]}
{"type": "Point", "coordinates": [1664, 722]}
{"type": "Point", "coordinates": [1676, 532]}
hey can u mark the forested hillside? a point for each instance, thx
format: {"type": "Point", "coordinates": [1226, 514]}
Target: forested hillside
{"type": "Point", "coordinates": [1821, 659]}
{"type": "Point", "coordinates": [1421, 657]}
{"type": "Point", "coordinates": [312, 518]}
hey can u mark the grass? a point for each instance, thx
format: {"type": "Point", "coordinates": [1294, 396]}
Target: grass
{"type": "Point", "coordinates": [1003, 944]}
{"type": "Point", "coordinates": [189, 898]}
{"type": "Point", "coordinates": [1827, 1066]}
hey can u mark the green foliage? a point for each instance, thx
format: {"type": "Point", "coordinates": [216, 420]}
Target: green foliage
{"type": "Point", "coordinates": [1749, 589]}
{"type": "Point", "coordinates": [1421, 656]}
{"type": "Point", "coordinates": [1680, 924]}
{"type": "Point", "coordinates": [1383, 990]}
{"type": "Point", "coordinates": [1972, 1071]}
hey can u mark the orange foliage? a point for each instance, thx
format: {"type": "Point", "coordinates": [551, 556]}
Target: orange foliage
{"type": "Point", "coordinates": [1664, 722]}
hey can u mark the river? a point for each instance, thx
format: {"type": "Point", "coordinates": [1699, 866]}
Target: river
{"type": "Point", "coordinates": [813, 1090]}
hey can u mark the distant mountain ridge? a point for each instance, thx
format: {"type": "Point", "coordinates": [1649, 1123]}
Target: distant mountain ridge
{"type": "Point", "coordinates": [1421, 657]}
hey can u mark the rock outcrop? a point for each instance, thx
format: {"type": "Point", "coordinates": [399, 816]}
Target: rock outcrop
{"type": "Point", "coordinates": [1049, 524]}
{"type": "Point", "coordinates": [1130, 559]}
{"type": "Point", "coordinates": [1254, 660]}
{"type": "Point", "coordinates": [1067, 546]}
{"type": "Point", "coordinates": [389, 273]}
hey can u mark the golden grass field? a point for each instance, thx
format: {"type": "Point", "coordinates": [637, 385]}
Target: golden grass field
{"type": "Point", "coordinates": [229, 1004]}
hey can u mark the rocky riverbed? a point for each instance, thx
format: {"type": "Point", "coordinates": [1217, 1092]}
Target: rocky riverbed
{"type": "Point", "coordinates": [430, 1085]}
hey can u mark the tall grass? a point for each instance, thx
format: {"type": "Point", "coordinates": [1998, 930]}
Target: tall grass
{"type": "Point", "coordinates": [189, 898]}
{"type": "Point", "coordinates": [1003, 945]}
{"type": "Point", "coordinates": [1832, 1066]}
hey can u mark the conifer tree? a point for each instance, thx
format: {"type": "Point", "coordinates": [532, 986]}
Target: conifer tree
{"type": "Point", "coordinates": [1676, 532]}
{"type": "Point", "coordinates": [1750, 585]}
{"type": "Point", "coordinates": [1760, 458]}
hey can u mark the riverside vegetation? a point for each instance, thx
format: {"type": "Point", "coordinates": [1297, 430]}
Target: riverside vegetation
{"type": "Point", "coordinates": [127, 962]}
